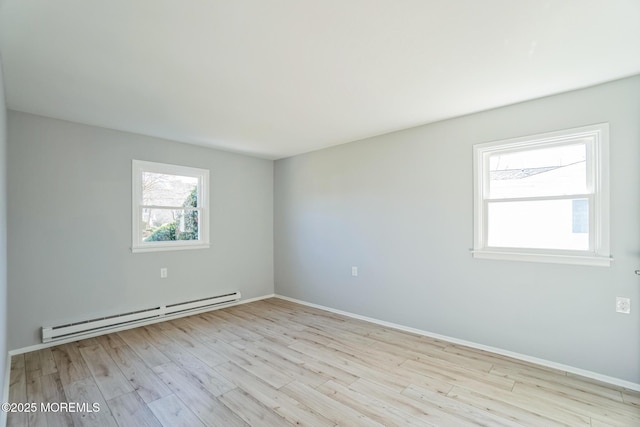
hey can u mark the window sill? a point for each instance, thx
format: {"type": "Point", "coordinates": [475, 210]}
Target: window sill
{"type": "Point", "coordinates": [139, 249]}
{"type": "Point", "coordinates": [590, 260]}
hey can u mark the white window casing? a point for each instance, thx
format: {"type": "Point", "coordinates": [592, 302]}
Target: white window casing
{"type": "Point", "coordinates": [140, 167]}
{"type": "Point", "coordinates": [595, 138]}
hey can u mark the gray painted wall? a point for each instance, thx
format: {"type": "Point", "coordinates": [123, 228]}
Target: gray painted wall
{"type": "Point", "coordinates": [3, 236]}
{"type": "Point", "coordinates": [399, 206]}
{"type": "Point", "coordinates": [69, 193]}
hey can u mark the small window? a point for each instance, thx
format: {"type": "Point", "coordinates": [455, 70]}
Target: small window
{"type": "Point", "coordinates": [544, 198]}
{"type": "Point", "coordinates": [170, 207]}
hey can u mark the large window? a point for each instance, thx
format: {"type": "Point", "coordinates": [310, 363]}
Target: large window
{"type": "Point", "coordinates": [170, 207]}
{"type": "Point", "coordinates": [544, 198]}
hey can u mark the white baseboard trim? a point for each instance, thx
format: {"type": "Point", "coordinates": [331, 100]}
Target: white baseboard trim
{"type": "Point", "coordinates": [543, 362]}
{"type": "Point", "coordinates": [131, 326]}
{"type": "Point", "coordinates": [5, 389]}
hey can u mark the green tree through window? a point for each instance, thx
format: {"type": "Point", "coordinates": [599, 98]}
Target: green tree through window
{"type": "Point", "coordinates": [185, 227]}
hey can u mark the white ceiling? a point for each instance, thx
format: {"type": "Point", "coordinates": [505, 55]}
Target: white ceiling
{"type": "Point", "coordinates": [275, 78]}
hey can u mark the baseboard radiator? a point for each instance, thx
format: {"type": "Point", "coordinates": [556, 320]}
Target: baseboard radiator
{"type": "Point", "coordinates": [85, 327]}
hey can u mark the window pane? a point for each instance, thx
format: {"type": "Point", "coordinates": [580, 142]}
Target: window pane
{"type": "Point", "coordinates": [548, 224]}
{"type": "Point", "coordinates": [160, 189]}
{"type": "Point", "coordinates": [169, 224]}
{"type": "Point", "coordinates": [552, 171]}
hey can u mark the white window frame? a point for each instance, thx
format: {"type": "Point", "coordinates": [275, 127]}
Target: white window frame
{"type": "Point", "coordinates": [138, 245]}
{"type": "Point", "coordinates": [597, 142]}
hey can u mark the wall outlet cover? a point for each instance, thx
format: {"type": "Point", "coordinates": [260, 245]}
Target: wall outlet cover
{"type": "Point", "coordinates": [623, 305]}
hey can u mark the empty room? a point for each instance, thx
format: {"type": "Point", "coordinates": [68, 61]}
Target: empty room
{"type": "Point", "coordinates": [319, 213]}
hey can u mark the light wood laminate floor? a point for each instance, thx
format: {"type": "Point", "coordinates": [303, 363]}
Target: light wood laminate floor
{"type": "Point", "coordinates": [276, 363]}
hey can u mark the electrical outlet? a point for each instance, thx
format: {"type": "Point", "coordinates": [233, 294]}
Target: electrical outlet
{"type": "Point", "coordinates": [163, 273]}
{"type": "Point", "coordinates": [623, 305]}
{"type": "Point", "coordinates": [354, 271]}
